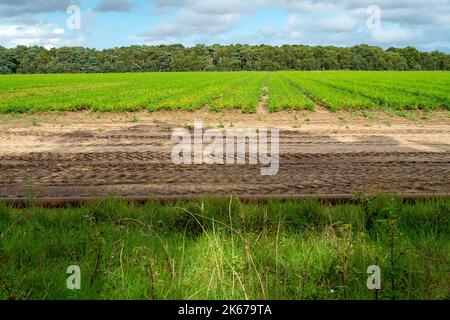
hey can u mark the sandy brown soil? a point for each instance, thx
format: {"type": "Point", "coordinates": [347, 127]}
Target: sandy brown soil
{"type": "Point", "coordinates": [88, 155]}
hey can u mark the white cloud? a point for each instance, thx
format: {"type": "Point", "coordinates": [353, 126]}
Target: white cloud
{"type": "Point", "coordinates": [293, 22]}
{"type": "Point", "coordinates": [299, 27]}
{"type": "Point", "coordinates": [295, 35]}
{"type": "Point", "coordinates": [199, 18]}
{"type": "Point", "coordinates": [395, 35]}
{"type": "Point", "coordinates": [114, 6]}
{"type": "Point", "coordinates": [14, 8]}
{"type": "Point", "coordinates": [304, 6]}
{"type": "Point", "coordinates": [222, 6]}
{"type": "Point", "coordinates": [169, 3]}
{"type": "Point", "coordinates": [290, 33]}
{"type": "Point", "coordinates": [334, 24]}
{"type": "Point", "coordinates": [268, 31]}
{"type": "Point", "coordinates": [40, 35]}
{"type": "Point", "coordinates": [58, 31]}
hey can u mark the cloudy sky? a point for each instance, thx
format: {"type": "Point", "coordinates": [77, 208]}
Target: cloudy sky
{"type": "Point", "coordinates": [111, 23]}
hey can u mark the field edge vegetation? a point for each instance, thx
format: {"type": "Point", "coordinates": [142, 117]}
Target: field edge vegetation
{"type": "Point", "coordinates": [225, 249]}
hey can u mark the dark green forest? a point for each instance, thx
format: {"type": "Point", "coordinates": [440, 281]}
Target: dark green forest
{"type": "Point", "coordinates": [166, 58]}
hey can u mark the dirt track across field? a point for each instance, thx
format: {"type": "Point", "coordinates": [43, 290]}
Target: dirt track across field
{"type": "Point", "coordinates": [77, 155]}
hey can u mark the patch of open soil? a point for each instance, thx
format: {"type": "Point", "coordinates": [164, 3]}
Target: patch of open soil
{"type": "Point", "coordinates": [129, 154]}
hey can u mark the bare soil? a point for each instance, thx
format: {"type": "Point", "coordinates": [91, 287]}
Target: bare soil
{"type": "Point", "coordinates": [76, 155]}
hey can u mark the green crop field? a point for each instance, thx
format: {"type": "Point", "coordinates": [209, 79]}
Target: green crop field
{"type": "Point", "coordinates": [225, 90]}
{"type": "Point", "coordinates": [221, 249]}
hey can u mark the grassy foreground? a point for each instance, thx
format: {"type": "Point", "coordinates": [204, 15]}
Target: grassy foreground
{"type": "Point", "coordinates": [219, 249]}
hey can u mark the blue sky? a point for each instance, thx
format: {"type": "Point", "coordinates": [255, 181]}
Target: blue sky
{"type": "Point", "coordinates": [112, 23]}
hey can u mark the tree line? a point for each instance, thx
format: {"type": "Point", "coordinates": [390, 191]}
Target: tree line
{"type": "Point", "coordinates": [164, 58]}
